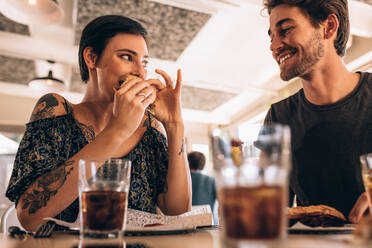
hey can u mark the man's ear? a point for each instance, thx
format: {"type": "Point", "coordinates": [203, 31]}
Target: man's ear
{"type": "Point", "coordinates": [331, 25]}
{"type": "Point", "coordinates": [90, 57]}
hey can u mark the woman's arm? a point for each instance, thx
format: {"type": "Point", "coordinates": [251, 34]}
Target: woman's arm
{"type": "Point", "coordinates": [177, 199]}
{"type": "Point", "coordinates": [53, 192]}
{"type": "Point", "coordinates": [177, 196]}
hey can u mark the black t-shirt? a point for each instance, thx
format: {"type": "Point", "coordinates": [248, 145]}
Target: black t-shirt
{"type": "Point", "coordinates": [327, 142]}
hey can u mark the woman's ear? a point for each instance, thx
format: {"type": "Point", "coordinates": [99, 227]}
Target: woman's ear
{"type": "Point", "coordinates": [331, 27]}
{"type": "Point", "coordinates": [90, 57]}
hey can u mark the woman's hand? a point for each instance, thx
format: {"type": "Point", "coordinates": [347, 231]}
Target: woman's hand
{"type": "Point", "coordinates": [167, 106]}
{"type": "Point", "coordinates": [130, 102]}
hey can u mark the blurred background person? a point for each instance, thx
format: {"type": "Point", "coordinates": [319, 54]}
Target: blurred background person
{"type": "Point", "coordinates": [203, 186]}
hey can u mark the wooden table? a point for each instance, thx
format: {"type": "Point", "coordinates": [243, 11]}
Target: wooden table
{"type": "Point", "coordinates": [200, 238]}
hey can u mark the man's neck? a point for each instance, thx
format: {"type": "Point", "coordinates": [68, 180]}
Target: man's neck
{"type": "Point", "coordinates": [329, 82]}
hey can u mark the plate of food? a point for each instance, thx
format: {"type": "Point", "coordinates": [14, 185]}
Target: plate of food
{"type": "Point", "coordinates": [317, 219]}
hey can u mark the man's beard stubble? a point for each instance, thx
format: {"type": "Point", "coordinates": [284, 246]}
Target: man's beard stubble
{"type": "Point", "coordinates": [312, 52]}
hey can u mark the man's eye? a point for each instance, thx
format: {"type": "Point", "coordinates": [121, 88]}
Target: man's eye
{"type": "Point", "coordinates": [284, 31]}
{"type": "Point", "coordinates": [126, 56]}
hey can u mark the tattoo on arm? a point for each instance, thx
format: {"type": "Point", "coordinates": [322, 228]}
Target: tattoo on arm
{"type": "Point", "coordinates": [182, 147]}
{"type": "Point", "coordinates": [67, 107]}
{"type": "Point", "coordinates": [46, 187]}
{"type": "Point", "coordinates": [44, 108]}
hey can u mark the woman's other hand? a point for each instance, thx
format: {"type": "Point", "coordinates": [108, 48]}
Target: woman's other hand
{"type": "Point", "coordinates": [167, 106]}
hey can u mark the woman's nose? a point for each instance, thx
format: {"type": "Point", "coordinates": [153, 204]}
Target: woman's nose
{"type": "Point", "coordinates": [140, 71]}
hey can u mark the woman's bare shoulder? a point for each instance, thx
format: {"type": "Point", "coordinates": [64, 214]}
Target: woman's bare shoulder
{"type": "Point", "coordinates": [50, 105]}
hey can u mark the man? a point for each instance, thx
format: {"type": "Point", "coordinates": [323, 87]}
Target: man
{"type": "Point", "coordinates": [203, 186]}
{"type": "Point", "coordinates": [330, 118]}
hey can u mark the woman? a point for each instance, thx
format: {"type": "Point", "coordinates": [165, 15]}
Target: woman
{"type": "Point", "coordinates": [111, 121]}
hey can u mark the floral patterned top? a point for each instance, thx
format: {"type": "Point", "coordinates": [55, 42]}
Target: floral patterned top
{"type": "Point", "coordinates": [48, 143]}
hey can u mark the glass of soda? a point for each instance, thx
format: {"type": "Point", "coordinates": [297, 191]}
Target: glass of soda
{"type": "Point", "coordinates": [366, 162]}
{"type": "Point", "coordinates": [103, 196]}
{"type": "Point", "coordinates": [251, 166]}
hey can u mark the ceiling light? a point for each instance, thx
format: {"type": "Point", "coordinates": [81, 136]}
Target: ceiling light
{"type": "Point", "coordinates": [47, 84]}
{"type": "Point", "coordinates": [32, 12]}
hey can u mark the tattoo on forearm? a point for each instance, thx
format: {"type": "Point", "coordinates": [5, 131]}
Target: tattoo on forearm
{"type": "Point", "coordinates": [44, 108]}
{"type": "Point", "coordinates": [182, 147]}
{"type": "Point", "coordinates": [46, 187]}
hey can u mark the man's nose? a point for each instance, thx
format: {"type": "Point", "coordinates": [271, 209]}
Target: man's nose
{"type": "Point", "coordinates": [276, 46]}
{"type": "Point", "coordinates": [275, 42]}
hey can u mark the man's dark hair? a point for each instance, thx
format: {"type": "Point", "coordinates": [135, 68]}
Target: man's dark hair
{"type": "Point", "coordinates": [318, 11]}
{"type": "Point", "coordinates": [196, 160]}
{"type": "Point", "coordinates": [98, 33]}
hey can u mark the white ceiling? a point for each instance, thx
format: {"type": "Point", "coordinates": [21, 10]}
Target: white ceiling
{"type": "Point", "coordinates": [230, 53]}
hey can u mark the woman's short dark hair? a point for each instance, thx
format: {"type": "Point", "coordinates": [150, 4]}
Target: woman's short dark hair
{"type": "Point", "coordinates": [196, 160]}
{"type": "Point", "coordinates": [98, 33]}
{"type": "Point", "coordinates": [318, 11]}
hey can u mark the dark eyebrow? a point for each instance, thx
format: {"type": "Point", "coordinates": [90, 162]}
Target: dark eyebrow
{"type": "Point", "coordinates": [132, 52]}
{"type": "Point", "coordinates": [279, 23]}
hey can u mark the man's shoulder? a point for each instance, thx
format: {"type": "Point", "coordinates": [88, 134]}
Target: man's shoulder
{"type": "Point", "coordinates": [288, 104]}
{"type": "Point", "coordinates": [367, 77]}
{"type": "Point", "coordinates": [281, 111]}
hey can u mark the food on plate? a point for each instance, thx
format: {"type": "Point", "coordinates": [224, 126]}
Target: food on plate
{"type": "Point", "coordinates": [316, 215]}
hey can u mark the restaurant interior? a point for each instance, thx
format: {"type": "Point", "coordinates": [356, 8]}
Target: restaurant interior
{"type": "Point", "coordinates": [229, 76]}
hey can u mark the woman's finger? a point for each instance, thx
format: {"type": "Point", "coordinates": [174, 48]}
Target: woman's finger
{"type": "Point", "coordinates": [134, 89]}
{"type": "Point", "coordinates": [146, 91]}
{"type": "Point", "coordinates": [168, 80]}
{"type": "Point", "coordinates": [156, 83]}
{"type": "Point", "coordinates": [129, 84]}
{"type": "Point", "coordinates": [150, 99]}
{"type": "Point", "coordinates": [179, 81]}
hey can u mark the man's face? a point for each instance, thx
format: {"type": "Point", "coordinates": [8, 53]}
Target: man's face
{"type": "Point", "coordinates": [296, 44]}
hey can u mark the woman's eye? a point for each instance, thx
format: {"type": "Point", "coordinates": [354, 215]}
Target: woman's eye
{"type": "Point", "coordinates": [126, 56]}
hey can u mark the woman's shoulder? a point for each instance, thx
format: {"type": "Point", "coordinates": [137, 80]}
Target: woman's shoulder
{"type": "Point", "coordinates": [50, 105]}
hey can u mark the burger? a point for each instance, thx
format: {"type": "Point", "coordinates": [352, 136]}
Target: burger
{"type": "Point", "coordinates": [316, 215]}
